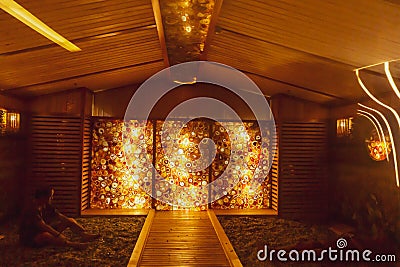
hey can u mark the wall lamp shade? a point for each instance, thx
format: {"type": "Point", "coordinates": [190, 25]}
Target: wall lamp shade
{"type": "Point", "coordinates": [23, 15]}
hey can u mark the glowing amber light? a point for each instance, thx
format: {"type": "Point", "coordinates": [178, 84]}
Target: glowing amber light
{"type": "Point", "coordinates": [378, 149]}
{"type": "Point", "coordinates": [23, 15]}
{"type": "Point", "coordinates": [3, 120]}
{"type": "Point", "coordinates": [119, 179]}
{"type": "Point", "coordinates": [174, 170]}
{"type": "Point", "coordinates": [241, 196]}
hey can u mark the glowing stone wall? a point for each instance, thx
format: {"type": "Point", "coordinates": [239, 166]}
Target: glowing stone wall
{"type": "Point", "coordinates": [242, 196]}
{"type": "Point", "coordinates": [121, 180]}
{"type": "Point", "coordinates": [185, 151]}
{"type": "Point", "coordinates": [124, 179]}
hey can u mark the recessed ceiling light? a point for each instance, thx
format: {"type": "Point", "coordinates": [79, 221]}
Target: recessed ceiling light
{"type": "Point", "coordinates": [23, 15]}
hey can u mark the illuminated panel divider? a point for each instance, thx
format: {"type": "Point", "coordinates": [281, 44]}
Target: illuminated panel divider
{"type": "Point", "coordinates": [56, 146]}
{"type": "Point", "coordinates": [302, 170]}
{"type": "Point", "coordinates": [117, 177]}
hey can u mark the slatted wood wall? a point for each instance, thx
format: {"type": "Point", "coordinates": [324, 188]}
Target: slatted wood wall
{"type": "Point", "coordinates": [85, 198]}
{"type": "Point", "coordinates": [56, 144]}
{"type": "Point", "coordinates": [303, 154]}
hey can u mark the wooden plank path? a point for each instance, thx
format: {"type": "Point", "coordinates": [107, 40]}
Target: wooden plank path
{"type": "Point", "coordinates": [183, 238]}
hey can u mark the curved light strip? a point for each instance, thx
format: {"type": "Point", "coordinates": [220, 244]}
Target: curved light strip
{"type": "Point", "coordinates": [391, 138]}
{"type": "Point", "coordinates": [376, 100]}
{"type": "Point", "coordinates": [375, 122]}
{"type": "Point", "coordinates": [376, 64]}
{"type": "Point", "coordinates": [390, 79]}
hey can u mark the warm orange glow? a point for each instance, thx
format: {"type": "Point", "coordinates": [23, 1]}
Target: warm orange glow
{"type": "Point", "coordinates": [344, 127]}
{"type": "Point", "coordinates": [390, 79]}
{"type": "Point", "coordinates": [120, 171]}
{"type": "Point", "coordinates": [380, 132]}
{"type": "Point", "coordinates": [3, 120]}
{"type": "Point", "coordinates": [391, 138]}
{"type": "Point", "coordinates": [117, 177]}
{"type": "Point", "coordinates": [377, 148]}
{"type": "Point", "coordinates": [376, 64]}
{"type": "Point", "coordinates": [23, 15]}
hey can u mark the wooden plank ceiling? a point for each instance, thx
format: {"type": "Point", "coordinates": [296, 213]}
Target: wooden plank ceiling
{"type": "Point", "coordinates": [119, 42]}
{"type": "Point", "coordinates": [307, 49]}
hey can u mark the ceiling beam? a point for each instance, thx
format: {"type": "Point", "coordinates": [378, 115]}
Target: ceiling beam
{"type": "Point", "coordinates": [76, 77]}
{"type": "Point", "coordinates": [294, 85]}
{"type": "Point", "coordinates": [160, 30]}
{"type": "Point", "coordinates": [79, 40]}
{"type": "Point", "coordinates": [326, 59]}
{"type": "Point", "coordinates": [211, 28]}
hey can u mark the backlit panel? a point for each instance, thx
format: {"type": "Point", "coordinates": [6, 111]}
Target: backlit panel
{"type": "Point", "coordinates": [122, 154]}
{"type": "Point", "coordinates": [119, 179]}
{"type": "Point", "coordinates": [241, 196]}
{"type": "Point", "coordinates": [174, 163]}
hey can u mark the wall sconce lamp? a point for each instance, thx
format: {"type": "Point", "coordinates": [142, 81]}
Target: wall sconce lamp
{"type": "Point", "coordinates": [9, 121]}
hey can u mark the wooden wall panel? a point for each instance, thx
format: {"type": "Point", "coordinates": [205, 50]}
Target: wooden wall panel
{"type": "Point", "coordinates": [303, 156]}
{"type": "Point", "coordinates": [275, 173]}
{"type": "Point", "coordinates": [56, 159]}
{"type": "Point", "coordinates": [12, 103]}
{"type": "Point", "coordinates": [85, 164]}
{"type": "Point", "coordinates": [113, 103]}
{"type": "Point", "coordinates": [66, 102]}
{"type": "Point", "coordinates": [288, 108]}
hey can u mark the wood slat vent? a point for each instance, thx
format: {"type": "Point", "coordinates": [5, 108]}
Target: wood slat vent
{"type": "Point", "coordinates": [275, 171]}
{"type": "Point", "coordinates": [302, 170]}
{"type": "Point", "coordinates": [56, 145]}
{"type": "Point", "coordinates": [85, 164]}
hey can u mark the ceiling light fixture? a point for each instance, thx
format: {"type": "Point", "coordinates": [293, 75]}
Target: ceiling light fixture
{"type": "Point", "coordinates": [23, 15]}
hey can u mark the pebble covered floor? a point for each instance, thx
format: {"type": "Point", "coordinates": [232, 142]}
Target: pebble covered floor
{"type": "Point", "coordinates": [249, 234]}
{"type": "Point", "coordinates": [114, 248]}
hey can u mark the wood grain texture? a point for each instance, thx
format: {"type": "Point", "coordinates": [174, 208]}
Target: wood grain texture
{"type": "Point", "coordinates": [182, 238]}
{"type": "Point", "coordinates": [56, 159]}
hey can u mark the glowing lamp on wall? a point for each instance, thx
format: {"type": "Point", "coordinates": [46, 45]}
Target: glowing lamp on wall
{"type": "Point", "coordinates": [344, 127]}
{"type": "Point", "coordinates": [9, 121]}
{"type": "Point", "coordinates": [3, 120]}
{"type": "Point", "coordinates": [378, 149]}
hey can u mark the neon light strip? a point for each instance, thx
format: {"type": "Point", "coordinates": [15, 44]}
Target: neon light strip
{"type": "Point", "coordinates": [376, 64]}
{"type": "Point", "coordinates": [375, 122]}
{"type": "Point", "coordinates": [391, 81]}
{"type": "Point", "coordinates": [391, 138]}
{"type": "Point", "coordinates": [23, 15]}
{"type": "Point", "coordinates": [376, 100]}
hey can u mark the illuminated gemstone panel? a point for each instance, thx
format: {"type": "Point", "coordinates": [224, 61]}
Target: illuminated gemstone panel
{"type": "Point", "coordinates": [238, 193]}
{"type": "Point", "coordinates": [122, 156]}
{"type": "Point", "coordinates": [119, 179]}
{"type": "Point", "coordinates": [177, 155]}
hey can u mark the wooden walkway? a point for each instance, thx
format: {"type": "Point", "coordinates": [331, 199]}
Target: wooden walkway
{"type": "Point", "coordinates": [183, 238]}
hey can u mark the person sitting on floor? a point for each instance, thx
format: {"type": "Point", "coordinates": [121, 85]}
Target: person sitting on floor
{"type": "Point", "coordinates": [42, 224]}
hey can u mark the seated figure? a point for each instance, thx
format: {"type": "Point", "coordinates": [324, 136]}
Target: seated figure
{"type": "Point", "coordinates": [42, 224]}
